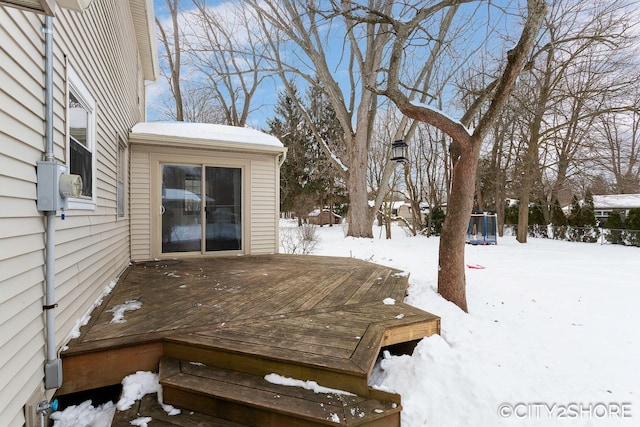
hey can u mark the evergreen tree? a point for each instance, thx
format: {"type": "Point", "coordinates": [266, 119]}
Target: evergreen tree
{"type": "Point", "coordinates": [590, 233]}
{"type": "Point", "coordinates": [558, 217]}
{"type": "Point", "coordinates": [536, 216]}
{"type": "Point", "coordinates": [511, 213]}
{"type": "Point", "coordinates": [435, 219]}
{"type": "Point", "coordinates": [615, 225]}
{"type": "Point", "coordinates": [614, 221]}
{"type": "Point", "coordinates": [331, 188]}
{"type": "Point", "coordinates": [295, 181]}
{"type": "Point", "coordinates": [632, 224]}
{"type": "Point", "coordinates": [559, 221]}
{"type": "Point", "coordinates": [582, 220]}
{"type": "Point", "coordinates": [537, 222]}
{"type": "Point", "coordinates": [587, 212]}
{"type": "Point", "coordinates": [307, 178]}
{"type": "Point", "coordinates": [633, 219]}
{"type": "Point", "coordinates": [575, 216]}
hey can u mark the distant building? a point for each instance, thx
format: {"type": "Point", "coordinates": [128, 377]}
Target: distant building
{"type": "Point", "coordinates": [323, 217]}
{"type": "Point", "coordinates": [605, 205]}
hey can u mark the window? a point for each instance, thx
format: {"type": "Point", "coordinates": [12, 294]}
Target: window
{"type": "Point", "coordinates": [81, 139]}
{"type": "Point", "coordinates": [121, 178]}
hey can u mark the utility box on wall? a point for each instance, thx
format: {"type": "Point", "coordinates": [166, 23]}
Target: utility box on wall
{"type": "Point", "coordinates": [55, 186]}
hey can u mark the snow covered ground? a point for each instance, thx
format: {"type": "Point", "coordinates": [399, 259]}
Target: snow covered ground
{"type": "Point", "coordinates": [552, 337]}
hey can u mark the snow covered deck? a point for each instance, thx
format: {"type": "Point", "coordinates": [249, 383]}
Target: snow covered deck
{"type": "Point", "coordinates": [321, 319]}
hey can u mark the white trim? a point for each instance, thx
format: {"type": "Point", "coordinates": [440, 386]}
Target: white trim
{"type": "Point", "coordinates": [82, 93]}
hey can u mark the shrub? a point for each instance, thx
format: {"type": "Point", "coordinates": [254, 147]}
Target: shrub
{"type": "Point", "coordinates": [437, 220]}
{"type": "Point", "coordinates": [615, 225]}
{"type": "Point", "coordinates": [299, 240]}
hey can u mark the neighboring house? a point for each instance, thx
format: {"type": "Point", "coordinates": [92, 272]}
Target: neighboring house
{"type": "Point", "coordinates": [323, 217]}
{"type": "Point", "coordinates": [102, 52]}
{"type": "Point", "coordinates": [402, 209]}
{"type": "Point", "coordinates": [605, 205]}
{"type": "Point", "coordinates": [389, 206]}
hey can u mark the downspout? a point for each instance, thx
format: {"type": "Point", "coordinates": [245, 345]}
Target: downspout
{"type": "Point", "coordinates": [53, 366]}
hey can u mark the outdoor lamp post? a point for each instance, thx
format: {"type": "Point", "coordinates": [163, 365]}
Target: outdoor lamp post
{"type": "Point", "coordinates": [399, 151]}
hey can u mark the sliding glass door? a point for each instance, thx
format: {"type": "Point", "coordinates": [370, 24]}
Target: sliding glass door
{"type": "Point", "coordinates": [201, 208]}
{"type": "Point", "coordinates": [223, 209]}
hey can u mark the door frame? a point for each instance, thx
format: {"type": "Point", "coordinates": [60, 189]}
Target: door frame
{"type": "Point", "coordinates": [220, 160]}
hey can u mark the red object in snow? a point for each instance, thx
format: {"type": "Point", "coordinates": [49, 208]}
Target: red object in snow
{"type": "Point", "coordinates": [476, 266]}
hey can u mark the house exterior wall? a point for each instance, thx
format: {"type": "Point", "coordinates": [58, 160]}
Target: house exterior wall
{"type": "Point", "coordinates": [261, 199]}
{"type": "Point", "coordinates": [91, 246]}
{"type": "Point", "coordinates": [323, 218]}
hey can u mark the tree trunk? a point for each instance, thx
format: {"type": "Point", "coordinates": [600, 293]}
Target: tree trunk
{"type": "Point", "coordinates": [360, 214]}
{"type": "Point", "coordinates": [530, 170]}
{"type": "Point", "coordinates": [451, 267]}
{"type": "Point", "coordinates": [523, 215]}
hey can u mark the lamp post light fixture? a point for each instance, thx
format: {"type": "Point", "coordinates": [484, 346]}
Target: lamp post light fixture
{"type": "Point", "coordinates": [399, 151]}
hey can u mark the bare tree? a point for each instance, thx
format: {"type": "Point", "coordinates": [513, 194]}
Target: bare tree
{"type": "Point", "coordinates": [427, 174]}
{"type": "Point", "coordinates": [200, 105]}
{"type": "Point", "coordinates": [503, 155]}
{"type": "Point", "coordinates": [224, 48]}
{"type": "Point", "coordinates": [574, 76]}
{"type": "Point", "coordinates": [451, 276]}
{"type": "Point", "coordinates": [620, 151]}
{"type": "Point", "coordinates": [308, 34]}
{"type": "Point", "coordinates": [170, 39]}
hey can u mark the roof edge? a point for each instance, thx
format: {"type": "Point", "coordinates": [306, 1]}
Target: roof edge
{"type": "Point", "coordinates": [147, 139]}
{"type": "Point", "coordinates": [142, 12]}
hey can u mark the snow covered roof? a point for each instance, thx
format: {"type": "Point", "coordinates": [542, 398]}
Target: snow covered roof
{"type": "Point", "coordinates": [394, 205]}
{"type": "Point", "coordinates": [205, 134]}
{"type": "Point", "coordinates": [617, 201]}
{"type": "Point", "coordinates": [316, 212]}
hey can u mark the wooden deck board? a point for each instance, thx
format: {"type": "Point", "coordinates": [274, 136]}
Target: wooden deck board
{"type": "Point", "coordinates": [233, 377]}
{"type": "Point", "coordinates": [274, 338]}
{"type": "Point", "coordinates": [314, 311]}
{"type": "Point", "coordinates": [255, 350]}
{"type": "Point", "coordinates": [254, 393]}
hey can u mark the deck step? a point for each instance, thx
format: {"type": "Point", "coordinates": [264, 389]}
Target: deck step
{"type": "Point", "coordinates": [260, 360]}
{"type": "Point", "coordinates": [253, 401]}
{"type": "Point", "coordinates": [148, 406]}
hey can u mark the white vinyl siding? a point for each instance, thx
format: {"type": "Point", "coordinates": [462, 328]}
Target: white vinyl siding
{"type": "Point", "coordinates": [265, 207]}
{"type": "Point", "coordinates": [140, 204]}
{"type": "Point", "coordinates": [92, 247]}
{"type": "Point", "coordinates": [21, 225]}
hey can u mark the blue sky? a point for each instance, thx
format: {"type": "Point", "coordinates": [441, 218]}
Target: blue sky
{"type": "Point", "coordinates": [267, 96]}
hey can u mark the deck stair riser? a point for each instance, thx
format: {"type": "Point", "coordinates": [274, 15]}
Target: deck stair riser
{"type": "Point", "coordinates": [352, 380]}
{"type": "Point", "coordinates": [253, 401]}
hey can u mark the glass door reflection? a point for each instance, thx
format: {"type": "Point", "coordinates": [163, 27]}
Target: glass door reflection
{"type": "Point", "coordinates": [181, 208]}
{"type": "Point", "coordinates": [223, 209]}
{"type": "Point", "coordinates": [186, 219]}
